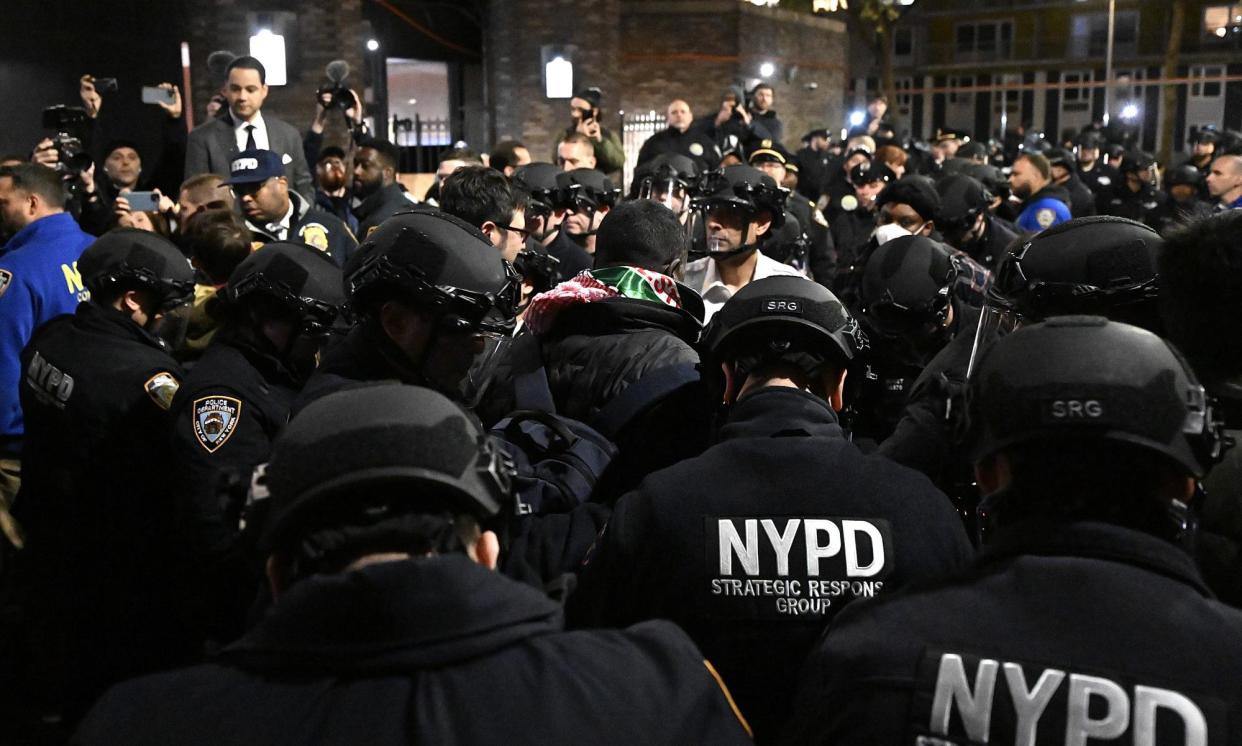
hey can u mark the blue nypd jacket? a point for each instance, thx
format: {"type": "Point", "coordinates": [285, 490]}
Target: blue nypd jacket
{"type": "Point", "coordinates": [39, 280]}
{"type": "Point", "coordinates": [1043, 210]}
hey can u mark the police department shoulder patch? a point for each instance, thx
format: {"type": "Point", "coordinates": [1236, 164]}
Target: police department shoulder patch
{"type": "Point", "coordinates": [214, 420]}
{"type": "Point", "coordinates": [696, 149]}
{"type": "Point", "coordinates": [6, 279]}
{"type": "Point", "coordinates": [1045, 217]}
{"type": "Point", "coordinates": [162, 387]}
{"type": "Point", "coordinates": [314, 234]}
{"type": "Point", "coordinates": [849, 202]}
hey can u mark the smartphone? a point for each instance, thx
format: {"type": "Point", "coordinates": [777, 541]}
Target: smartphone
{"type": "Point", "coordinates": [153, 95]}
{"type": "Point", "coordinates": [104, 85]}
{"type": "Point", "coordinates": [143, 201]}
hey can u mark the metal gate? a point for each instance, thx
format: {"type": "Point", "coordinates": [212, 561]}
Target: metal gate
{"type": "Point", "coordinates": [635, 129]}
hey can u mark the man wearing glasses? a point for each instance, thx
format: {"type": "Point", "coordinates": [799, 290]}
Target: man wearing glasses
{"type": "Point", "coordinates": [482, 197]}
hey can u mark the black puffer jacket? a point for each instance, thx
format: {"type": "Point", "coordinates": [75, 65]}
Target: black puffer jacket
{"type": "Point", "coordinates": [595, 351]}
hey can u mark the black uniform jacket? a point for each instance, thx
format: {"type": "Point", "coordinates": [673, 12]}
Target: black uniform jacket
{"type": "Point", "coordinates": [1090, 630]}
{"type": "Point", "coordinates": [753, 546]}
{"type": "Point", "coordinates": [430, 651]}
{"type": "Point", "coordinates": [95, 500]}
{"type": "Point", "coordinates": [378, 207]}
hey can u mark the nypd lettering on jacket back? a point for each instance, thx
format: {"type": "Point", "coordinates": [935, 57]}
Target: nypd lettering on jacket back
{"type": "Point", "coordinates": [980, 700]}
{"type": "Point", "coordinates": [781, 567]}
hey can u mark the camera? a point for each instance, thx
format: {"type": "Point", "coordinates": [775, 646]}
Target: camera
{"type": "Point", "coordinates": [340, 96]}
{"type": "Point", "coordinates": [105, 85]}
{"type": "Point", "coordinates": [70, 124]}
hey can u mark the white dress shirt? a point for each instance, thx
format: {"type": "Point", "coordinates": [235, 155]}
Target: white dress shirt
{"type": "Point", "coordinates": [281, 229]}
{"type": "Point", "coordinates": [702, 275]}
{"type": "Point", "coordinates": [260, 132]}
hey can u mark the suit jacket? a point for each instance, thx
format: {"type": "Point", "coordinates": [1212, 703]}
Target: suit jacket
{"type": "Point", "coordinates": [213, 145]}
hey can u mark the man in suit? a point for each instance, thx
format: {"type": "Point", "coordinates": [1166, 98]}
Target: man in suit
{"type": "Point", "coordinates": [215, 144]}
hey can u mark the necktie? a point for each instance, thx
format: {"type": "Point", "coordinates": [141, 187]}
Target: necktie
{"type": "Point", "coordinates": [250, 137]}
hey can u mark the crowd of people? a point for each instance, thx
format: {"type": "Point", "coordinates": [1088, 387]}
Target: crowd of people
{"type": "Point", "coordinates": [879, 441]}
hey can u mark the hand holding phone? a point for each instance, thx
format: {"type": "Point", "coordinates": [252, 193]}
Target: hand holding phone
{"type": "Point", "coordinates": [157, 95]}
{"type": "Point", "coordinates": [143, 201]}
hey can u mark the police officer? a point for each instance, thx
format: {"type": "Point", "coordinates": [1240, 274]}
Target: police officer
{"type": "Point", "coordinates": [1099, 177]}
{"type": "Point", "coordinates": [1183, 184]}
{"type": "Point", "coordinates": [1065, 175]}
{"type": "Point", "coordinates": [1204, 143]}
{"type": "Point", "coordinates": [773, 159]}
{"type": "Point", "coordinates": [584, 196]}
{"type": "Point", "coordinates": [838, 188]}
{"type": "Point", "coordinates": [680, 138]}
{"type": "Point", "coordinates": [855, 222]}
{"type": "Point", "coordinates": [96, 500]}
{"type": "Point", "coordinates": [1099, 265]}
{"type": "Point", "coordinates": [910, 309]}
{"type": "Point", "coordinates": [754, 545]}
{"type": "Point", "coordinates": [1137, 197]}
{"type": "Point", "coordinates": [1044, 204]}
{"type": "Point", "coordinates": [813, 163]}
{"type": "Point", "coordinates": [275, 213]}
{"type": "Point", "coordinates": [1073, 624]}
{"type": "Point", "coordinates": [736, 208]}
{"type": "Point", "coordinates": [435, 304]}
{"type": "Point", "coordinates": [541, 268]}
{"type": "Point", "coordinates": [667, 179]}
{"type": "Point", "coordinates": [278, 309]}
{"type": "Point", "coordinates": [389, 626]}
{"type": "Point", "coordinates": [966, 222]}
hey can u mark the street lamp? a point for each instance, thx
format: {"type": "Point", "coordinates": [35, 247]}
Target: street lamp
{"type": "Point", "coordinates": [372, 45]}
{"type": "Point", "coordinates": [767, 69]}
{"type": "Point", "coordinates": [857, 118]}
{"type": "Point", "coordinates": [269, 49]}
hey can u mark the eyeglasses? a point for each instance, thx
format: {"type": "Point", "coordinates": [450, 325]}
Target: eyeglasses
{"type": "Point", "coordinates": [525, 234]}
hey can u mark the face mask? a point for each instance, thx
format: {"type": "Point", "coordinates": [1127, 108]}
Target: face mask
{"type": "Point", "coordinates": [887, 232]}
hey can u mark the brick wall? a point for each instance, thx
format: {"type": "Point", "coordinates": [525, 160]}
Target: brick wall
{"type": "Point", "coordinates": [319, 31]}
{"type": "Point", "coordinates": [644, 53]}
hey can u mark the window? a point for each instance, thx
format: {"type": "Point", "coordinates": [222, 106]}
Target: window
{"type": "Point", "coordinates": [986, 40]}
{"type": "Point", "coordinates": [1222, 20]}
{"type": "Point", "coordinates": [1089, 34]}
{"type": "Point", "coordinates": [1207, 88]}
{"type": "Point", "coordinates": [903, 41]}
{"type": "Point", "coordinates": [1074, 98]}
{"type": "Point", "coordinates": [905, 99]}
{"type": "Point", "coordinates": [956, 84]}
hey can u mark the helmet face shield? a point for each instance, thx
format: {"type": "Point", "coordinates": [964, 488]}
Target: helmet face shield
{"type": "Point", "coordinates": [668, 191]}
{"type": "Point", "coordinates": [995, 322]}
{"type": "Point", "coordinates": [461, 362]}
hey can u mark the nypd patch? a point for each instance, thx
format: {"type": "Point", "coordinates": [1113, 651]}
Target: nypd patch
{"type": "Point", "coordinates": [1045, 217]}
{"type": "Point", "coordinates": [215, 420]}
{"type": "Point", "coordinates": [696, 149]}
{"type": "Point", "coordinates": [162, 387]}
{"type": "Point", "coordinates": [6, 279]}
{"type": "Point", "coordinates": [314, 234]}
{"type": "Point", "coordinates": [849, 202]}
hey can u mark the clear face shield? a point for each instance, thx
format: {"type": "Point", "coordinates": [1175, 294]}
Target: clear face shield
{"type": "Point", "coordinates": [462, 358]}
{"type": "Point", "coordinates": [668, 191]}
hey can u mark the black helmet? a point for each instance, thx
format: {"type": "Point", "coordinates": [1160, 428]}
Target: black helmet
{"type": "Point", "coordinates": [669, 179]}
{"type": "Point", "coordinates": [788, 244]}
{"type": "Point", "coordinates": [870, 172]}
{"type": "Point", "coordinates": [1137, 160]}
{"type": "Point", "coordinates": [439, 262]}
{"type": "Point", "coordinates": [364, 454]}
{"type": "Point", "coordinates": [1089, 140]}
{"type": "Point", "coordinates": [744, 187]}
{"type": "Point", "coordinates": [132, 259]}
{"type": "Point", "coordinates": [1185, 175]}
{"type": "Point", "coordinates": [784, 317]}
{"type": "Point", "coordinates": [585, 189]}
{"type": "Point", "coordinates": [1087, 377]}
{"type": "Point", "coordinates": [299, 278]}
{"type": "Point", "coordinates": [962, 199]}
{"type": "Point", "coordinates": [907, 284]}
{"type": "Point", "coordinates": [1206, 133]}
{"type": "Point", "coordinates": [538, 181]}
{"type": "Point", "coordinates": [1094, 265]}
{"type": "Point", "coordinates": [1060, 157]}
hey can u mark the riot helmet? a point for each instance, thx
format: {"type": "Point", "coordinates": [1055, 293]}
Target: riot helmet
{"type": "Point", "coordinates": [538, 182]}
{"type": "Point", "coordinates": [295, 283]}
{"type": "Point", "coordinates": [668, 179]}
{"type": "Point", "coordinates": [130, 259]}
{"type": "Point", "coordinates": [906, 297]}
{"type": "Point", "coordinates": [1100, 265]}
{"type": "Point", "coordinates": [397, 451]}
{"type": "Point", "coordinates": [1075, 383]}
{"type": "Point", "coordinates": [784, 319]}
{"type": "Point", "coordinates": [963, 201]}
{"type": "Point", "coordinates": [445, 268]}
{"type": "Point", "coordinates": [737, 194]}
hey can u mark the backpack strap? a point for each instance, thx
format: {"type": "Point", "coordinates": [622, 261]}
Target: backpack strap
{"type": "Point", "coordinates": [639, 396]}
{"type": "Point", "coordinates": [530, 378]}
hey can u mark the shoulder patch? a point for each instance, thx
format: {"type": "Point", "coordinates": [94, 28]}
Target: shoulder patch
{"type": "Point", "coordinates": [6, 279]}
{"type": "Point", "coordinates": [849, 202]}
{"type": "Point", "coordinates": [214, 420]}
{"type": "Point", "coordinates": [314, 234]}
{"type": "Point", "coordinates": [1045, 217]}
{"type": "Point", "coordinates": [162, 387]}
{"type": "Point", "coordinates": [1104, 181]}
{"type": "Point", "coordinates": [696, 149]}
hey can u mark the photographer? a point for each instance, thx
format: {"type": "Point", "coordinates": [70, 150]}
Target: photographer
{"type": "Point", "coordinates": [584, 108]}
{"type": "Point", "coordinates": [729, 127]}
{"type": "Point", "coordinates": [333, 99]}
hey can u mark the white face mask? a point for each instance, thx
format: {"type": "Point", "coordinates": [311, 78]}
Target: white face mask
{"type": "Point", "coordinates": [887, 232]}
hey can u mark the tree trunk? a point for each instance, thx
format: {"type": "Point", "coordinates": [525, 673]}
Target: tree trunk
{"type": "Point", "coordinates": [1169, 95]}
